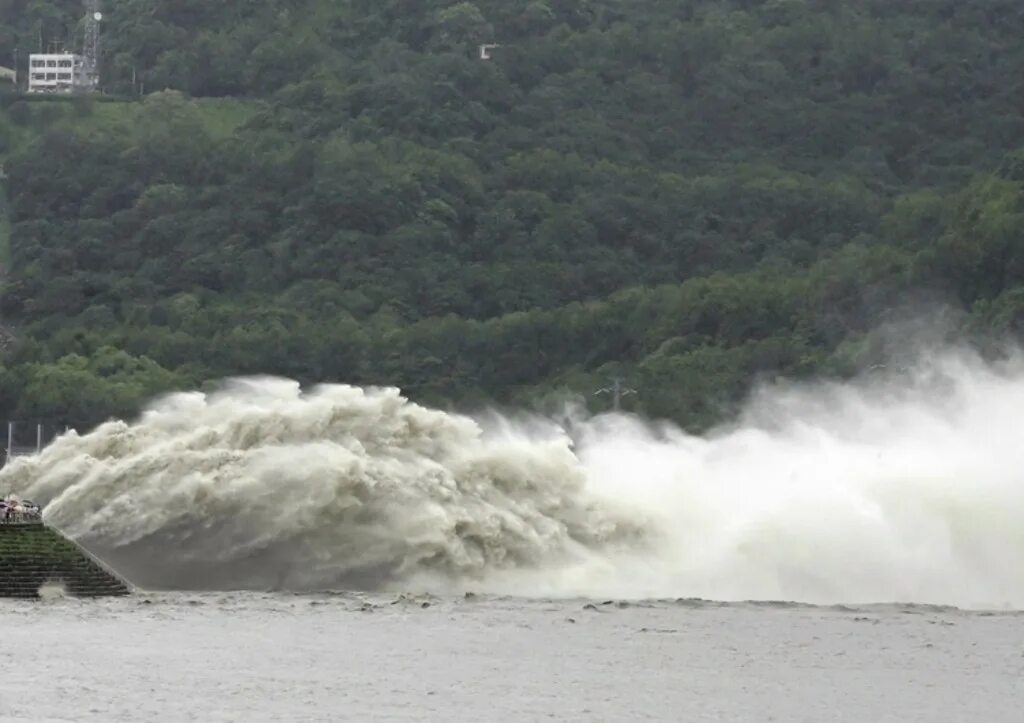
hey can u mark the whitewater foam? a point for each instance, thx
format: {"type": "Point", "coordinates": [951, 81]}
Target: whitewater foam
{"type": "Point", "coordinates": [262, 485]}
{"type": "Point", "coordinates": [900, 488]}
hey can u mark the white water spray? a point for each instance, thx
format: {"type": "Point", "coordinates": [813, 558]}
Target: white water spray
{"type": "Point", "coordinates": [909, 488]}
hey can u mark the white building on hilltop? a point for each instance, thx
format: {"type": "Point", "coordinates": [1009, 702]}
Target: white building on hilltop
{"type": "Point", "coordinates": [57, 73]}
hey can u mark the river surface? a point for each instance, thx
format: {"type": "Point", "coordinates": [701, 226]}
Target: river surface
{"type": "Point", "coordinates": [261, 657]}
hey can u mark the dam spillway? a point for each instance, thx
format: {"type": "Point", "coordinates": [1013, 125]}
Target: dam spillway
{"type": "Point", "coordinates": [33, 555]}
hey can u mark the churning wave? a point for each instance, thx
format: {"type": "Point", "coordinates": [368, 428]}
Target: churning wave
{"type": "Point", "coordinates": [908, 488]}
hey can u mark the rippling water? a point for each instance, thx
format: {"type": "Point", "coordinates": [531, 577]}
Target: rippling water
{"type": "Point", "coordinates": [253, 657]}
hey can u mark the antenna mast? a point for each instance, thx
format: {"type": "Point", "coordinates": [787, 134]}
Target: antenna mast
{"type": "Point", "coordinates": [91, 44]}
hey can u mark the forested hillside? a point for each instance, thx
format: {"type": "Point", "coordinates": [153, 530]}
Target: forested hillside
{"type": "Point", "coordinates": [694, 194]}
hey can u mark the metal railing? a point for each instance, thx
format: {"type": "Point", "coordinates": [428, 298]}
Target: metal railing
{"type": "Point", "coordinates": [20, 518]}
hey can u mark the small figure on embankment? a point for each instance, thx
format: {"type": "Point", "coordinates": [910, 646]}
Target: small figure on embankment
{"type": "Point", "coordinates": [19, 512]}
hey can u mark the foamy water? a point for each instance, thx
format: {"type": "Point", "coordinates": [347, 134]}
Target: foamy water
{"type": "Point", "coordinates": [256, 657]}
{"type": "Point", "coordinates": [897, 488]}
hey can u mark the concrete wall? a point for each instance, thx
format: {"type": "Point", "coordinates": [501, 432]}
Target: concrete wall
{"type": "Point", "coordinates": [34, 555]}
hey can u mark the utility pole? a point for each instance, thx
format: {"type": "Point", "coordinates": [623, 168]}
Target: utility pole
{"type": "Point", "coordinates": [617, 391]}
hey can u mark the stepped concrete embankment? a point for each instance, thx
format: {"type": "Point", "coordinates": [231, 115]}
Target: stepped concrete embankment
{"type": "Point", "coordinates": [33, 555]}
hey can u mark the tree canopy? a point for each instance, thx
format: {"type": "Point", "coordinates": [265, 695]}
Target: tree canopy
{"type": "Point", "coordinates": [694, 193]}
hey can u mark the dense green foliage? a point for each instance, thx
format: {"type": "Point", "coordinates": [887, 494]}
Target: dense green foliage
{"type": "Point", "coordinates": [694, 193]}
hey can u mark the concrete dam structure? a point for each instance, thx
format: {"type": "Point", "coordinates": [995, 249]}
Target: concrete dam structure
{"type": "Point", "coordinates": [33, 556]}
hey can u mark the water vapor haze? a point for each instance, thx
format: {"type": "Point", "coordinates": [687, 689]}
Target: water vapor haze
{"type": "Point", "coordinates": [904, 486]}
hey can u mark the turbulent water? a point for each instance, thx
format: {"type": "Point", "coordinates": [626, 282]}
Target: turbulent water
{"type": "Point", "coordinates": [248, 656]}
{"type": "Point", "coordinates": [907, 486]}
